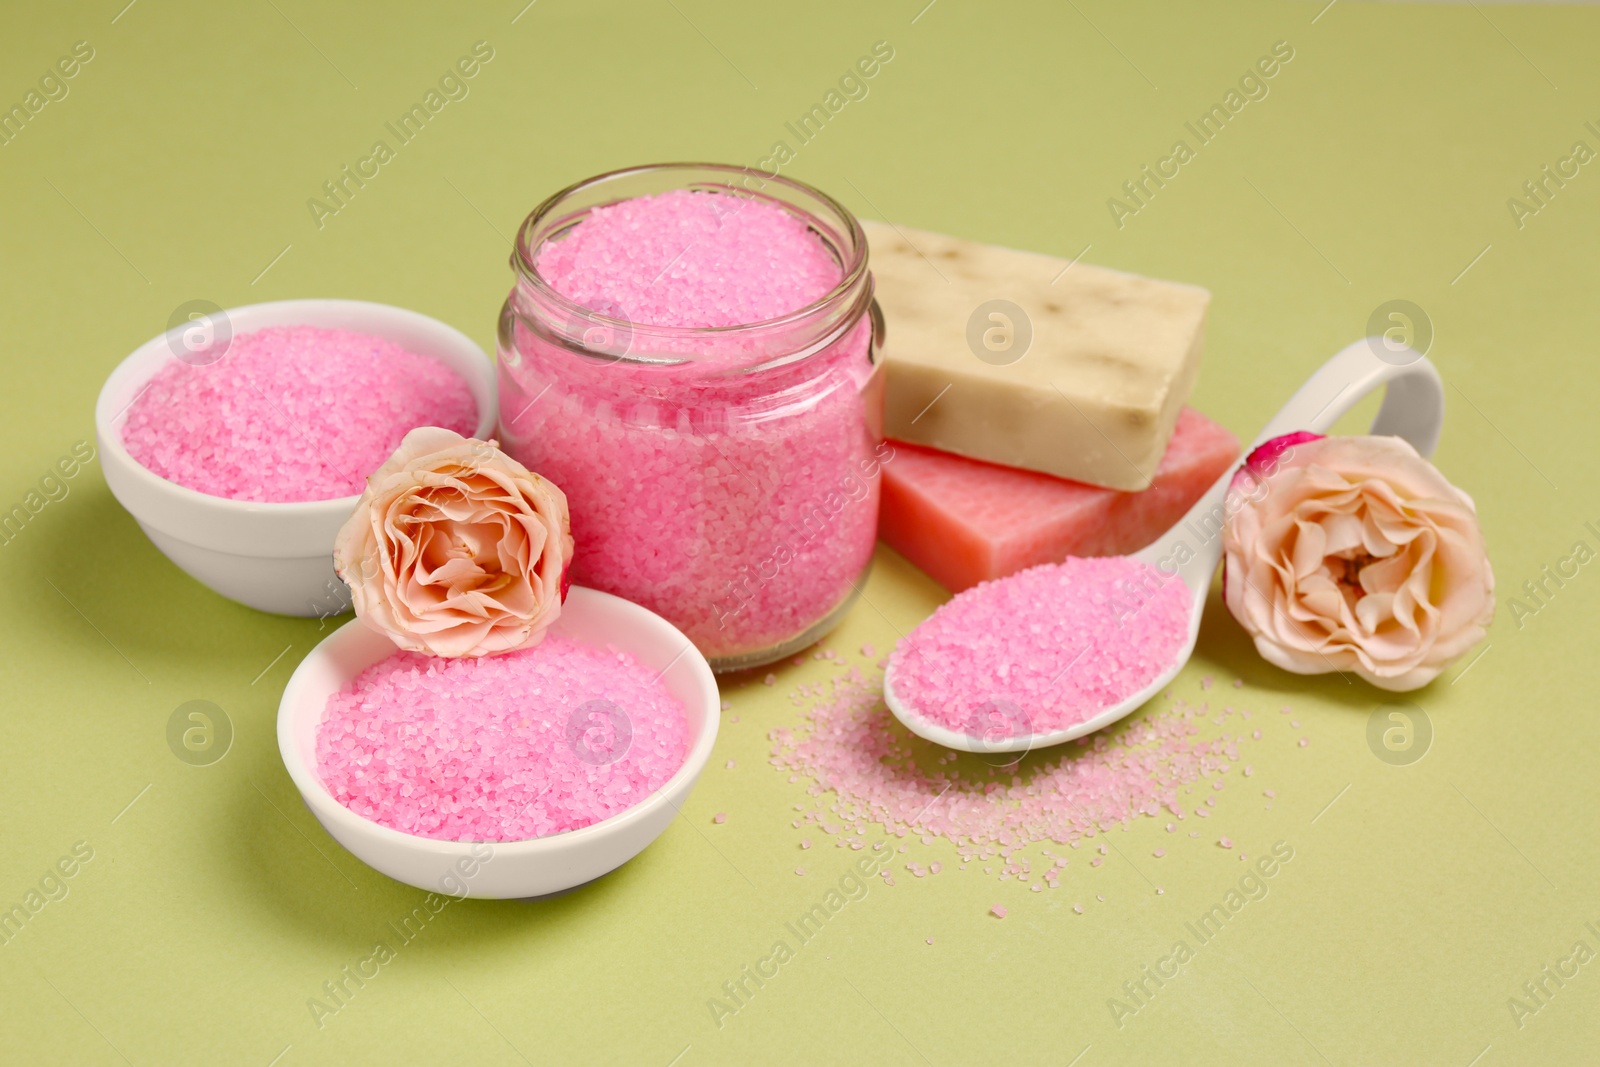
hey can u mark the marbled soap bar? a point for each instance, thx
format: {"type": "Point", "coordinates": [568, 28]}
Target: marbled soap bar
{"type": "Point", "coordinates": [1032, 361]}
{"type": "Point", "coordinates": [963, 521]}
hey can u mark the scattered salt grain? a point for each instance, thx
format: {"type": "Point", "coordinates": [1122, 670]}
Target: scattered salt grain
{"type": "Point", "coordinates": [851, 748]}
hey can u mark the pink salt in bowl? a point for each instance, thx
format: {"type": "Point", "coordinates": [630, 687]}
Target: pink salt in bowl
{"type": "Point", "coordinates": [506, 869]}
{"type": "Point", "coordinates": [275, 557]}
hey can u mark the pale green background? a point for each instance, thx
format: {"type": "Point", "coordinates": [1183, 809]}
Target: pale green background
{"type": "Point", "coordinates": [1378, 168]}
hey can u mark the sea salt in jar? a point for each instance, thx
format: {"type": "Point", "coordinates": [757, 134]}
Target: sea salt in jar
{"type": "Point", "coordinates": [721, 472]}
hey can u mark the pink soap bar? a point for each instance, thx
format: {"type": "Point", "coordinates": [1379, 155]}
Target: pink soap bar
{"type": "Point", "coordinates": [964, 521]}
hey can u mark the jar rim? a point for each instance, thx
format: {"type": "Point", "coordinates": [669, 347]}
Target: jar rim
{"type": "Point", "coordinates": [853, 271]}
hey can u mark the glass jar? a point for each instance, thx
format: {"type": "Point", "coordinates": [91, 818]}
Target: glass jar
{"type": "Point", "coordinates": [727, 477]}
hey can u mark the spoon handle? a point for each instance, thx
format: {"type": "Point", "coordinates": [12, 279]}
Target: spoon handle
{"type": "Point", "coordinates": [1413, 408]}
{"type": "Point", "coordinates": [1413, 405]}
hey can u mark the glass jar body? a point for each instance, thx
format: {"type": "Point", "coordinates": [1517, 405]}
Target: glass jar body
{"type": "Point", "coordinates": [727, 479]}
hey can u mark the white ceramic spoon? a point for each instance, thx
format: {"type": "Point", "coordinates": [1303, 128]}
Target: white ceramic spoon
{"type": "Point", "coordinates": [1413, 408]}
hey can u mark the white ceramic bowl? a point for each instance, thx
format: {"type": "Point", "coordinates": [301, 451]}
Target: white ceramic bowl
{"type": "Point", "coordinates": [274, 557]}
{"type": "Point", "coordinates": [506, 868]}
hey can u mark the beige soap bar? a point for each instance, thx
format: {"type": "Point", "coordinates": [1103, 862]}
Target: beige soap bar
{"type": "Point", "coordinates": [1018, 359]}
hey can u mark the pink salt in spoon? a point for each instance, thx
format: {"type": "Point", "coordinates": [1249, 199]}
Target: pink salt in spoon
{"type": "Point", "coordinates": [1059, 651]}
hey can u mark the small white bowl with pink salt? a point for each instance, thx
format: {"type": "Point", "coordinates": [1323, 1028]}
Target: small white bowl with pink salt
{"type": "Point", "coordinates": [241, 440]}
{"type": "Point", "coordinates": [509, 776]}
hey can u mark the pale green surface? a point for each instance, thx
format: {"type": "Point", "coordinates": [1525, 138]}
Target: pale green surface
{"type": "Point", "coordinates": [215, 906]}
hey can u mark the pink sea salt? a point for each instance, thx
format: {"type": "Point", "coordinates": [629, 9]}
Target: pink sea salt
{"type": "Point", "coordinates": [874, 771]}
{"type": "Point", "coordinates": [291, 413]}
{"type": "Point", "coordinates": [684, 258]}
{"type": "Point", "coordinates": [998, 911]}
{"type": "Point", "coordinates": [739, 503]}
{"type": "Point", "coordinates": [1043, 649]}
{"type": "Point", "coordinates": [502, 748]}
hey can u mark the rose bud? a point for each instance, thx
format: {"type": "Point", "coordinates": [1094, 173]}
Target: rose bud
{"type": "Point", "coordinates": [456, 549]}
{"type": "Point", "coordinates": [1355, 554]}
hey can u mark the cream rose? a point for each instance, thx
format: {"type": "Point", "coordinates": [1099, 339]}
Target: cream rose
{"type": "Point", "coordinates": [456, 549]}
{"type": "Point", "coordinates": [1355, 554]}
